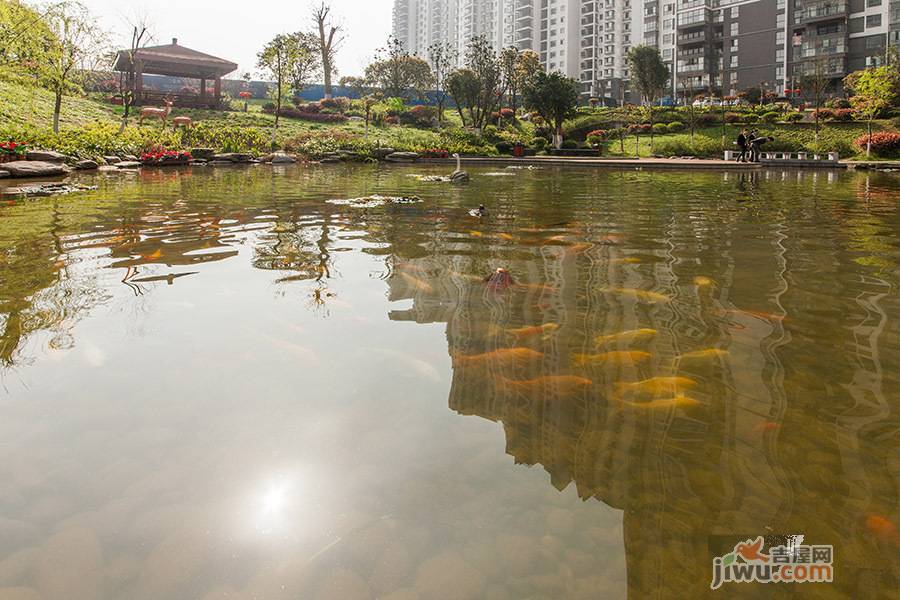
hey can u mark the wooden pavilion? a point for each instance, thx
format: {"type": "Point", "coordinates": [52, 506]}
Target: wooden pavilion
{"type": "Point", "coordinates": [174, 61]}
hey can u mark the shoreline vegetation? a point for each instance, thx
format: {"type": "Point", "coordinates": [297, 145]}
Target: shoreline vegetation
{"type": "Point", "coordinates": [90, 130]}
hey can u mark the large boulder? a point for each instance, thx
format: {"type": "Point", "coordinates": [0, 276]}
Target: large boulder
{"type": "Point", "coordinates": [235, 157]}
{"type": "Point", "coordinates": [203, 153]}
{"type": "Point", "coordinates": [382, 153]}
{"type": "Point", "coordinates": [34, 168]}
{"type": "Point", "coordinates": [4, 174]}
{"type": "Point", "coordinates": [402, 157]}
{"type": "Point", "coordinates": [128, 164]}
{"type": "Point", "coordinates": [280, 158]}
{"type": "Point", "coordinates": [86, 165]}
{"type": "Point", "coordinates": [130, 158]}
{"type": "Point", "coordinates": [111, 160]}
{"type": "Point", "coordinates": [45, 156]}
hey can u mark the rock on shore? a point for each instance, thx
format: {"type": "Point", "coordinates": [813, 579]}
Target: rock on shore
{"type": "Point", "coordinates": [34, 168]}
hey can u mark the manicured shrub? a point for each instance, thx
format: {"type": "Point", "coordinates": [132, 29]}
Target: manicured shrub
{"type": "Point", "coordinates": [681, 145]}
{"type": "Point", "coordinates": [838, 103]}
{"type": "Point", "coordinates": [733, 117]}
{"type": "Point", "coordinates": [675, 127]}
{"type": "Point", "coordinates": [770, 117]}
{"type": "Point", "coordinates": [708, 119]}
{"type": "Point", "coordinates": [570, 145]}
{"type": "Point", "coordinates": [751, 118]}
{"type": "Point", "coordinates": [825, 114]}
{"type": "Point", "coordinates": [596, 137]}
{"type": "Point", "coordinates": [491, 134]}
{"type": "Point", "coordinates": [794, 117]}
{"type": "Point", "coordinates": [884, 143]}
{"type": "Point", "coordinates": [422, 116]}
{"type": "Point", "coordinates": [844, 114]}
{"type": "Point", "coordinates": [340, 104]}
{"type": "Point", "coordinates": [316, 117]}
{"type": "Point", "coordinates": [268, 107]}
{"type": "Point", "coordinates": [392, 120]}
{"type": "Point", "coordinates": [660, 128]}
{"type": "Point", "coordinates": [539, 143]}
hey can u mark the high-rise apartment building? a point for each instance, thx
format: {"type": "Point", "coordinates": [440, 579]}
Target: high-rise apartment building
{"type": "Point", "coordinates": [718, 47]}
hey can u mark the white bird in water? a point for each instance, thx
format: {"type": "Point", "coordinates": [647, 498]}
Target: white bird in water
{"type": "Point", "coordinates": [458, 176]}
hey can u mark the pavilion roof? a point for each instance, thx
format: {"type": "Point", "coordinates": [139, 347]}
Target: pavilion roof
{"type": "Point", "coordinates": [176, 61]}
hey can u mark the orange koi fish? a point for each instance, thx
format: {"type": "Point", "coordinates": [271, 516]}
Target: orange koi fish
{"type": "Point", "coordinates": [766, 426]}
{"type": "Point", "coordinates": [629, 260]}
{"type": "Point", "coordinates": [676, 402]}
{"type": "Point", "coordinates": [883, 528]}
{"type": "Point", "coordinates": [633, 356]}
{"type": "Point", "coordinates": [655, 385]}
{"type": "Point", "coordinates": [635, 335]}
{"type": "Point", "coordinates": [711, 354]}
{"type": "Point", "coordinates": [565, 384]}
{"type": "Point", "coordinates": [527, 332]}
{"type": "Point", "coordinates": [504, 356]}
{"type": "Point", "coordinates": [417, 283]}
{"type": "Point", "coordinates": [639, 295]}
{"type": "Point", "coordinates": [703, 282]}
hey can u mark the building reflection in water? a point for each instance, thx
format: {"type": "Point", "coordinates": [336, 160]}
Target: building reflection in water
{"type": "Point", "coordinates": [775, 446]}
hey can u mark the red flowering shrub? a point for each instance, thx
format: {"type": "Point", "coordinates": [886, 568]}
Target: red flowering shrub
{"type": "Point", "coordinates": [159, 155]}
{"type": "Point", "coordinates": [392, 120]}
{"type": "Point", "coordinates": [12, 149]}
{"type": "Point", "coordinates": [246, 95]}
{"type": "Point", "coordinates": [733, 117]}
{"type": "Point", "coordinates": [435, 153]}
{"type": "Point", "coordinates": [642, 128]}
{"type": "Point", "coordinates": [507, 113]}
{"type": "Point", "coordinates": [884, 143]}
{"type": "Point", "coordinates": [596, 136]}
{"type": "Point", "coordinates": [843, 114]}
{"type": "Point", "coordinates": [824, 113]}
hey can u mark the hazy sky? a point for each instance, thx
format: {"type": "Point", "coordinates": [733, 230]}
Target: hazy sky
{"type": "Point", "coordinates": [237, 30]}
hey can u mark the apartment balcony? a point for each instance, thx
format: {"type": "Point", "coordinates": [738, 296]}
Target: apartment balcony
{"type": "Point", "coordinates": [825, 11]}
{"type": "Point", "coordinates": [694, 37]}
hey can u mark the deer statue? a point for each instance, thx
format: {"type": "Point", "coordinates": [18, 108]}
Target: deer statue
{"type": "Point", "coordinates": [185, 122]}
{"type": "Point", "coordinates": [157, 113]}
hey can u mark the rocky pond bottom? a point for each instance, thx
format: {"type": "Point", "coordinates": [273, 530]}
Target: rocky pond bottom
{"type": "Point", "coordinates": [262, 383]}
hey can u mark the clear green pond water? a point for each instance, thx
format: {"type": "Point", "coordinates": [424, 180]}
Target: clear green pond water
{"type": "Point", "coordinates": [218, 384]}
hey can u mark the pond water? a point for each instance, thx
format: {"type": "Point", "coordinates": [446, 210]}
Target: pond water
{"type": "Point", "coordinates": [236, 384]}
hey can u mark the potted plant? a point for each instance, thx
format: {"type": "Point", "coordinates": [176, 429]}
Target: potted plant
{"type": "Point", "coordinates": [245, 96]}
{"type": "Point", "coordinates": [11, 151]}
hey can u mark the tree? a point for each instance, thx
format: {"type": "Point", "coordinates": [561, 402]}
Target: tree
{"type": "Point", "coordinates": [463, 88]}
{"type": "Point", "coordinates": [442, 57]}
{"type": "Point", "coordinates": [875, 90]}
{"type": "Point", "coordinates": [554, 97]}
{"type": "Point", "coordinates": [24, 37]}
{"type": "Point", "coordinates": [814, 83]}
{"type": "Point", "coordinates": [649, 76]}
{"type": "Point", "coordinates": [688, 94]}
{"type": "Point", "coordinates": [330, 40]}
{"type": "Point", "coordinates": [528, 65]}
{"type": "Point", "coordinates": [73, 56]}
{"type": "Point", "coordinates": [517, 70]}
{"type": "Point", "coordinates": [140, 37]}
{"type": "Point", "coordinates": [290, 59]}
{"type": "Point", "coordinates": [397, 73]}
{"type": "Point", "coordinates": [481, 79]}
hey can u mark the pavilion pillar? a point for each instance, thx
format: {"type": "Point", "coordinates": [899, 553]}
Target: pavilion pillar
{"type": "Point", "coordinates": [138, 82]}
{"type": "Point", "coordinates": [218, 88]}
{"type": "Point", "coordinates": [202, 90]}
